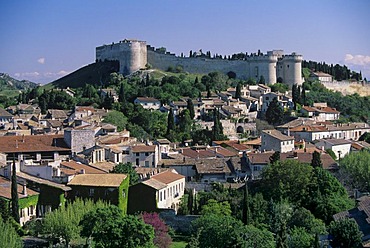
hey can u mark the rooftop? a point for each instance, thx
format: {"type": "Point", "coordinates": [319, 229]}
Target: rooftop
{"type": "Point", "coordinates": [167, 177]}
{"type": "Point", "coordinates": [98, 180]}
{"type": "Point", "coordinates": [277, 135]}
{"type": "Point", "coordinates": [147, 99]}
{"type": "Point", "coordinates": [154, 184]}
{"type": "Point", "coordinates": [78, 167]}
{"type": "Point", "coordinates": [33, 143]}
{"type": "Point", "coordinates": [5, 189]}
{"type": "Point", "coordinates": [143, 148]}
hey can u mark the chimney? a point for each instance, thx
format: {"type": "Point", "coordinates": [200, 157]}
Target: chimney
{"type": "Point", "coordinates": [24, 191]}
{"type": "Point", "coordinates": [23, 138]}
{"type": "Point", "coordinates": [82, 171]}
{"type": "Point", "coordinates": [16, 143]}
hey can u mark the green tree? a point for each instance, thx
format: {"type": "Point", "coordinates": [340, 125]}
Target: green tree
{"type": "Point", "coordinates": [287, 180]}
{"type": "Point", "coordinates": [345, 233]}
{"type": "Point", "coordinates": [108, 227]}
{"type": "Point", "coordinates": [247, 215]}
{"type": "Point", "coordinates": [300, 238]}
{"type": "Point", "coordinates": [190, 107]}
{"type": "Point", "coordinates": [63, 223]}
{"type": "Point", "coordinates": [262, 80]}
{"type": "Point", "coordinates": [356, 166]}
{"type": "Point", "coordinates": [217, 129]}
{"type": "Point", "coordinates": [216, 208]}
{"type": "Point", "coordinates": [116, 118]}
{"type": "Point", "coordinates": [281, 214]}
{"type": "Point", "coordinates": [275, 157]}
{"type": "Point", "coordinates": [14, 194]}
{"type": "Point", "coordinates": [316, 160]}
{"type": "Point", "coordinates": [255, 237]}
{"type": "Point", "coordinates": [238, 91]}
{"type": "Point", "coordinates": [170, 121]}
{"type": "Point", "coordinates": [121, 94]}
{"type": "Point", "coordinates": [274, 113]}
{"type": "Point", "coordinates": [303, 218]}
{"type": "Point", "coordinates": [128, 169]}
{"type": "Point", "coordinates": [8, 235]}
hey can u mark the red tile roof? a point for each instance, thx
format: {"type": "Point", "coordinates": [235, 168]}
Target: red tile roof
{"type": "Point", "coordinates": [5, 189]}
{"type": "Point", "coordinates": [143, 148]}
{"type": "Point", "coordinates": [78, 167]}
{"type": "Point", "coordinates": [32, 143]}
{"type": "Point", "coordinates": [167, 177]}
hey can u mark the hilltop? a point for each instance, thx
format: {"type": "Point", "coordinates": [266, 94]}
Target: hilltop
{"type": "Point", "coordinates": [95, 74]}
{"type": "Point", "coordinates": [9, 83]}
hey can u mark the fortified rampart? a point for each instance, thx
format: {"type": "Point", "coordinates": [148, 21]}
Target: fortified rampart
{"type": "Point", "coordinates": [134, 55]}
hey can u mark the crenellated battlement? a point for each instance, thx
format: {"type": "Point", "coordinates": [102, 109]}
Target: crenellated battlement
{"type": "Point", "coordinates": [134, 55]}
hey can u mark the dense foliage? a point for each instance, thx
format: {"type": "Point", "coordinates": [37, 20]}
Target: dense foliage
{"type": "Point", "coordinates": [128, 169]}
{"type": "Point", "coordinates": [8, 235]}
{"type": "Point", "coordinates": [345, 234]}
{"type": "Point", "coordinates": [109, 227]}
{"type": "Point", "coordinates": [352, 107]}
{"type": "Point", "coordinates": [161, 237]}
{"type": "Point", "coordinates": [356, 167]}
{"type": "Point", "coordinates": [337, 71]}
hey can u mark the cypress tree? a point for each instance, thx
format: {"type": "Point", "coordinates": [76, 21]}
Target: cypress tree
{"type": "Point", "coordinates": [246, 209]}
{"type": "Point", "coordinates": [170, 121]}
{"type": "Point", "coordinates": [316, 160]}
{"type": "Point", "coordinates": [121, 97]}
{"type": "Point", "coordinates": [238, 91]}
{"type": "Point", "coordinates": [217, 131]}
{"type": "Point", "coordinates": [190, 107]}
{"type": "Point", "coordinates": [274, 112]}
{"type": "Point", "coordinates": [303, 95]}
{"type": "Point", "coordinates": [275, 157]}
{"type": "Point", "coordinates": [14, 193]}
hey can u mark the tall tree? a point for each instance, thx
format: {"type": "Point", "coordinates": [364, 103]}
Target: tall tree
{"type": "Point", "coordinates": [295, 95]}
{"type": "Point", "coordinates": [238, 91]}
{"type": "Point", "coordinates": [316, 160]}
{"type": "Point", "coordinates": [247, 215]}
{"type": "Point", "coordinates": [121, 95]}
{"type": "Point", "coordinates": [14, 193]}
{"type": "Point", "coordinates": [274, 113]}
{"type": "Point", "coordinates": [8, 236]}
{"type": "Point", "coordinates": [262, 80]}
{"type": "Point", "coordinates": [303, 95]}
{"type": "Point", "coordinates": [345, 233]}
{"type": "Point", "coordinates": [170, 122]}
{"type": "Point", "coordinates": [190, 107]}
{"type": "Point", "coordinates": [217, 130]}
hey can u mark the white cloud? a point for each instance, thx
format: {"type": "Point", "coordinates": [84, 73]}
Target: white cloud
{"type": "Point", "coordinates": [357, 59]}
{"type": "Point", "coordinates": [358, 63]}
{"type": "Point", "coordinates": [43, 77]}
{"type": "Point", "coordinates": [41, 60]}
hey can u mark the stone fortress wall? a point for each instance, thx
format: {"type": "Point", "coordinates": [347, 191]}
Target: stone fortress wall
{"type": "Point", "coordinates": [134, 55]}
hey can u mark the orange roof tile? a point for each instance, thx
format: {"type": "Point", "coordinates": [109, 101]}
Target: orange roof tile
{"type": "Point", "coordinates": [167, 177]}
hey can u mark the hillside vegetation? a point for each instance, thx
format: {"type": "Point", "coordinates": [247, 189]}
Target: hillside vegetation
{"type": "Point", "coordinates": [96, 74]}
{"type": "Point", "coordinates": [9, 83]}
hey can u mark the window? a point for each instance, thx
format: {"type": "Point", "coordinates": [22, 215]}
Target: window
{"type": "Point", "coordinates": [91, 192]}
{"type": "Point", "coordinates": [137, 154]}
{"type": "Point", "coordinates": [137, 162]}
{"type": "Point", "coordinates": [147, 154]}
{"type": "Point", "coordinates": [160, 196]}
{"type": "Point", "coordinates": [146, 163]}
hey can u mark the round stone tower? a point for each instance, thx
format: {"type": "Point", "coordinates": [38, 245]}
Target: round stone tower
{"type": "Point", "coordinates": [263, 65]}
{"type": "Point", "coordinates": [131, 54]}
{"type": "Point", "coordinates": [290, 69]}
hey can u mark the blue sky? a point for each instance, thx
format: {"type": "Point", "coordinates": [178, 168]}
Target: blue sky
{"type": "Point", "coordinates": [44, 40]}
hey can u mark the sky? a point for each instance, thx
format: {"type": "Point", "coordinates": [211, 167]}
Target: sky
{"type": "Point", "coordinates": [42, 40]}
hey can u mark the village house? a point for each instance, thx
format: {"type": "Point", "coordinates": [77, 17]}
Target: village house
{"type": "Point", "coordinates": [5, 118]}
{"type": "Point", "coordinates": [112, 188]}
{"type": "Point", "coordinates": [148, 102]}
{"type": "Point", "coordinates": [109, 92]}
{"type": "Point", "coordinates": [284, 101]}
{"type": "Point", "coordinates": [320, 112]}
{"type": "Point", "coordinates": [321, 76]}
{"type": "Point", "coordinates": [162, 191]}
{"type": "Point", "coordinates": [144, 155]}
{"type": "Point", "coordinates": [27, 199]}
{"type": "Point", "coordinates": [340, 147]}
{"type": "Point", "coordinates": [273, 140]}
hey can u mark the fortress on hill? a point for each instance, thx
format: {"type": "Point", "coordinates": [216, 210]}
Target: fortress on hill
{"type": "Point", "coordinates": [134, 55]}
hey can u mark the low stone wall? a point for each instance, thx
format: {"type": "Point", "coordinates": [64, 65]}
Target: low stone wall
{"type": "Point", "coordinates": [180, 223]}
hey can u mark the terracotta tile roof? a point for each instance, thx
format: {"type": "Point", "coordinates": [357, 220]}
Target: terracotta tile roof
{"type": "Point", "coordinates": [212, 166]}
{"type": "Point", "coordinates": [143, 148]}
{"type": "Point", "coordinates": [78, 167]}
{"type": "Point", "coordinates": [98, 180]}
{"type": "Point", "coordinates": [334, 141]}
{"type": "Point", "coordinates": [254, 142]}
{"type": "Point", "coordinates": [38, 180]}
{"type": "Point", "coordinates": [188, 152]}
{"type": "Point", "coordinates": [147, 99]}
{"type": "Point", "coordinates": [259, 158]}
{"type": "Point", "coordinates": [5, 189]}
{"type": "Point", "coordinates": [223, 152]}
{"type": "Point", "coordinates": [308, 128]}
{"type": "Point", "coordinates": [167, 177]}
{"type": "Point", "coordinates": [328, 110]}
{"type": "Point", "coordinates": [104, 166]}
{"type": "Point", "coordinates": [84, 109]}
{"type": "Point", "coordinates": [277, 135]}
{"type": "Point", "coordinates": [5, 113]}
{"type": "Point", "coordinates": [57, 113]}
{"type": "Point", "coordinates": [309, 109]}
{"type": "Point", "coordinates": [32, 143]}
{"type": "Point", "coordinates": [154, 184]}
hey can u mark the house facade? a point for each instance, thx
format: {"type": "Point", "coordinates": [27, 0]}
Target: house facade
{"type": "Point", "coordinates": [273, 140]}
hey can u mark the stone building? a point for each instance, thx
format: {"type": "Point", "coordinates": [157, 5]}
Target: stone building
{"type": "Point", "coordinates": [134, 55]}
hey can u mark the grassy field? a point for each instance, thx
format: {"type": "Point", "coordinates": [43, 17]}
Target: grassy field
{"type": "Point", "coordinates": [9, 93]}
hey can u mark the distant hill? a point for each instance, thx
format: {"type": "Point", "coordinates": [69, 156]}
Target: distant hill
{"type": "Point", "coordinates": [9, 83]}
{"type": "Point", "coordinates": [95, 73]}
